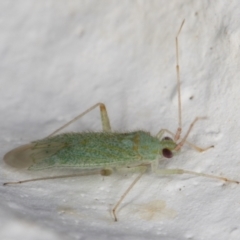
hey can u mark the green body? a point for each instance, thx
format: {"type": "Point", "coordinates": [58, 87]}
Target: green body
{"type": "Point", "coordinates": [94, 150]}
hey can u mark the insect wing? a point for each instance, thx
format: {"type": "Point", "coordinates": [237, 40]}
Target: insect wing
{"type": "Point", "coordinates": [27, 155]}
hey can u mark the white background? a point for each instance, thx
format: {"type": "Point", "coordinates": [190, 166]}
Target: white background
{"type": "Point", "coordinates": [57, 58]}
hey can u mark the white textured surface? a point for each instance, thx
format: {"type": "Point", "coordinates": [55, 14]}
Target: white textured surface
{"type": "Point", "coordinates": [57, 58]}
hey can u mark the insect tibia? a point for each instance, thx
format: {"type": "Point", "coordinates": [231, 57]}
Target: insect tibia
{"type": "Point", "coordinates": [182, 171]}
{"type": "Point", "coordinates": [87, 173]}
{"type": "Point", "coordinates": [209, 176]}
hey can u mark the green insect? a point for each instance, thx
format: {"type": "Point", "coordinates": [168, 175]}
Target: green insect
{"type": "Point", "coordinates": [106, 151]}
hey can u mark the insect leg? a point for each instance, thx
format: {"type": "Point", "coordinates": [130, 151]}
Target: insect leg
{"type": "Point", "coordinates": [199, 149]}
{"type": "Point", "coordinates": [144, 168]}
{"type": "Point", "coordinates": [104, 118]}
{"type": "Point", "coordinates": [95, 172]}
{"type": "Point", "coordinates": [183, 141]}
{"type": "Point", "coordinates": [182, 171]}
{"type": "Point", "coordinates": [102, 172]}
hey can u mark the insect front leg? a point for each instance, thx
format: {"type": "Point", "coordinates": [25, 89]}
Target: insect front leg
{"type": "Point", "coordinates": [104, 119]}
{"type": "Point", "coordinates": [184, 139]}
{"type": "Point", "coordinates": [199, 149]}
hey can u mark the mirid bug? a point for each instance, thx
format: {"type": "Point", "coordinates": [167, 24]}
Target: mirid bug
{"type": "Point", "coordinates": [103, 152]}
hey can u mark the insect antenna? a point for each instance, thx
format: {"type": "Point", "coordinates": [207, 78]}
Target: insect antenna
{"type": "Point", "coordinates": [179, 129]}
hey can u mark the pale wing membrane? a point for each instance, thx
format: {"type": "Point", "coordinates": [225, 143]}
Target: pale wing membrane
{"type": "Point", "coordinates": [27, 155]}
{"type": "Point", "coordinates": [42, 150]}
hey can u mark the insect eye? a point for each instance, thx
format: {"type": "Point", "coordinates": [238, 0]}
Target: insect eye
{"type": "Point", "coordinates": [167, 138]}
{"type": "Point", "coordinates": [167, 153]}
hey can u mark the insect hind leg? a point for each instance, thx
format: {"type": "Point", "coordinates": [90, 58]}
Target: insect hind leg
{"type": "Point", "coordinates": [183, 171]}
{"type": "Point", "coordinates": [104, 119]}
